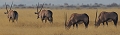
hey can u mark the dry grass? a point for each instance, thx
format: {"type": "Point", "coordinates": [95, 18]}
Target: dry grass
{"type": "Point", "coordinates": [28, 24]}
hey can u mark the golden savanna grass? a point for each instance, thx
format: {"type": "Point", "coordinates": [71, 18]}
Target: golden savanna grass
{"type": "Point", "coordinates": [28, 24]}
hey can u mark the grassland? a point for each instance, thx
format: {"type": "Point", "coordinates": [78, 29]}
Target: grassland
{"type": "Point", "coordinates": [28, 24]}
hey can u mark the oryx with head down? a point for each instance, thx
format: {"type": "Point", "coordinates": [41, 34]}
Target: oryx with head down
{"type": "Point", "coordinates": [44, 14]}
{"type": "Point", "coordinates": [12, 15]}
{"type": "Point", "coordinates": [75, 18]}
{"type": "Point", "coordinates": [105, 17]}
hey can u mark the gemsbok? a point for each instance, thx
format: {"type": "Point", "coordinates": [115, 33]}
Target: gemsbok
{"type": "Point", "coordinates": [75, 18]}
{"type": "Point", "coordinates": [106, 17]}
{"type": "Point", "coordinates": [12, 15]}
{"type": "Point", "coordinates": [44, 14]}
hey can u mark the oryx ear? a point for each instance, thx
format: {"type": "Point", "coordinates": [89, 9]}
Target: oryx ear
{"type": "Point", "coordinates": [36, 12]}
{"type": "Point", "coordinates": [5, 13]}
{"type": "Point", "coordinates": [6, 6]}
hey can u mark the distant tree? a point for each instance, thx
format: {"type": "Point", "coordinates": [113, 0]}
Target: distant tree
{"type": "Point", "coordinates": [65, 3]}
{"type": "Point", "coordinates": [14, 5]}
{"type": "Point", "coordinates": [52, 4]}
{"type": "Point", "coordinates": [84, 6]}
{"type": "Point", "coordinates": [61, 6]}
{"type": "Point", "coordinates": [49, 4]}
{"type": "Point", "coordinates": [6, 5]}
{"type": "Point", "coordinates": [21, 5]}
{"type": "Point", "coordinates": [46, 4]}
{"type": "Point", "coordinates": [114, 4]}
{"type": "Point", "coordinates": [100, 4]}
{"type": "Point", "coordinates": [96, 4]}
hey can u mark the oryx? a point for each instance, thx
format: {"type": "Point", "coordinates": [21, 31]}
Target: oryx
{"type": "Point", "coordinates": [75, 18]}
{"type": "Point", "coordinates": [12, 15]}
{"type": "Point", "coordinates": [105, 17]}
{"type": "Point", "coordinates": [44, 14]}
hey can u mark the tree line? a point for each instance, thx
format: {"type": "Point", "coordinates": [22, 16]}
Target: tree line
{"type": "Point", "coordinates": [65, 5]}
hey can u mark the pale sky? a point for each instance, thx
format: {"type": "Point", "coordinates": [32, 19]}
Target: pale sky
{"type": "Point", "coordinates": [30, 2]}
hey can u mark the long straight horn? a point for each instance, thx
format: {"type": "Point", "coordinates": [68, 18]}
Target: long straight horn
{"type": "Point", "coordinates": [65, 18]}
{"type": "Point", "coordinates": [11, 5]}
{"type": "Point", "coordinates": [41, 7]}
{"type": "Point", "coordinates": [6, 6]}
{"type": "Point", "coordinates": [37, 6]}
{"type": "Point", "coordinates": [96, 16]}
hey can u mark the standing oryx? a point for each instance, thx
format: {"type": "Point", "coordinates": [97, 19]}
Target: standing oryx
{"type": "Point", "coordinates": [44, 14]}
{"type": "Point", "coordinates": [105, 17]}
{"type": "Point", "coordinates": [75, 19]}
{"type": "Point", "coordinates": [12, 15]}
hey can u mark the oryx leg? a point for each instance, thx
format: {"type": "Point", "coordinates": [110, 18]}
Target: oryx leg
{"type": "Point", "coordinates": [106, 23]}
{"type": "Point", "coordinates": [76, 25]}
{"type": "Point", "coordinates": [73, 25]}
{"type": "Point", "coordinates": [42, 19]}
{"type": "Point", "coordinates": [37, 17]}
{"type": "Point", "coordinates": [103, 24]}
{"type": "Point", "coordinates": [16, 20]}
{"type": "Point", "coordinates": [9, 19]}
{"type": "Point", "coordinates": [45, 20]}
{"type": "Point", "coordinates": [115, 22]}
{"type": "Point", "coordinates": [50, 19]}
{"type": "Point", "coordinates": [12, 20]}
{"type": "Point", "coordinates": [86, 23]}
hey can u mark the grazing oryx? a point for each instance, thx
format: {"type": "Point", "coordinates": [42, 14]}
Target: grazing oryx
{"type": "Point", "coordinates": [12, 15]}
{"type": "Point", "coordinates": [105, 17]}
{"type": "Point", "coordinates": [75, 19]}
{"type": "Point", "coordinates": [44, 14]}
